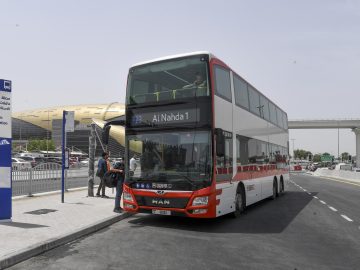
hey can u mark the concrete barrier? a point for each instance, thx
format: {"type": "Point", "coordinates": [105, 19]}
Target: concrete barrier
{"type": "Point", "coordinates": [338, 174]}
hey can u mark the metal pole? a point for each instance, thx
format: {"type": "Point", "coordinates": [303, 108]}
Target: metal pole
{"type": "Point", "coordinates": [63, 158]}
{"type": "Point", "coordinates": [339, 144]}
{"type": "Point", "coordinates": [92, 149]}
{"type": "Point", "coordinates": [293, 140]}
{"type": "Point", "coordinates": [47, 135]}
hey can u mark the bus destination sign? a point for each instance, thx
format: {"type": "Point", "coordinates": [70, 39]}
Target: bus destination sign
{"type": "Point", "coordinates": [165, 117]}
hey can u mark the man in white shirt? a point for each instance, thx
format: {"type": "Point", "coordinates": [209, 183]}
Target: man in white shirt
{"type": "Point", "coordinates": [133, 164]}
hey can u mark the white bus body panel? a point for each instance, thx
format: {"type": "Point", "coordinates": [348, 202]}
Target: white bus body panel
{"type": "Point", "coordinates": [239, 121]}
{"type": "Point", "coordinates": [227, 198]}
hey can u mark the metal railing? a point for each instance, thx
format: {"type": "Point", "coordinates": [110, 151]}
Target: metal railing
{"type": "Point", "coordinates": [46, 177]}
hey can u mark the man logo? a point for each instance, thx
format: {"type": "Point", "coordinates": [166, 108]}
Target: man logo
{"type": "Point", "coordinates": [160, 201]}
{"type": "Point", "coordinates": [4, 142]}
{"type": "Point", "coordinates": [160, 192]}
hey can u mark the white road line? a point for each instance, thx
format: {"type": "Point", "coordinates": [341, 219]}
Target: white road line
{"type": "Point", "coordinates": [348, 219]}
{"type": "Point", "coordinates": [305, 190]}
{"type": "Point", "coordinates": [322, 202]}
{"type": "Point", "coordinates": [309, 193]}
{"type": "Point", "coordinates": [316, 197]}
{"type": "Point", "coordinates": [332, 208]}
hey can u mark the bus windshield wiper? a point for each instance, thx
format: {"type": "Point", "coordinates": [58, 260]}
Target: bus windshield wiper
{"type": "Point", "coordinates": [187, 178]}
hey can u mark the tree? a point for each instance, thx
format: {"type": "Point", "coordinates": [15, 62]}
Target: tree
{"type": "Point", "coordinates": [345, 156]}
{"type": "Point", "coordinates": [317, 158]}
{"type": "Point", "coordinates": [41, 145]}
{"type": "Point", "coordinates": [301, 154]}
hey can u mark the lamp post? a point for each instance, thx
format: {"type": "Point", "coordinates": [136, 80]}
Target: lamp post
{"type": "Point", "coordinates": [338, 145]}
{"type": "Point", "coordinates": [293, 143]}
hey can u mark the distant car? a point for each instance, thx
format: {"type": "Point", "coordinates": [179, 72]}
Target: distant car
{"type": "Point", "coordinates": [20, 164]}
{"type": "Point", "coordinates": [57, 160]}
{"type": "Point", "coordinates": [313, 167]}
{"type": "Point", "coordinates": [33, 160]}
{"type": "Point", "coordinates": [84, 162]}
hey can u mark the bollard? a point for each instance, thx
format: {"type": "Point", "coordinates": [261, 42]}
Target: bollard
{"type": "Point", "coordinates": [30, 183]}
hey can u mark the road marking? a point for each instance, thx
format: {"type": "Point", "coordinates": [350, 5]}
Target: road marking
{"type": "Point", "coordinates": [316, 197]}
{"type": "Point", "coordinates": [348, 219]}
{"type": "Point", "coordinates": [305, 190]}
{"type": "Point", "coordinates": [309, 193]}
{"type": "Point", "coordinates": [322, 202]}
{"type": "Point", "coordinates": [332, 208]}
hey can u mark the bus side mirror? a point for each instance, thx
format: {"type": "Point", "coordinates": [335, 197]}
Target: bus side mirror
{"type": "Point", "coordinates": [105, 135]}
{"type": "Point", "coordinates": [220, 142]}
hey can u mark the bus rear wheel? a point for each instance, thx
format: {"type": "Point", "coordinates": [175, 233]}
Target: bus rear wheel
{"type": "Point", "coordinates": [239, 203]}
{"type": "Point", "coordinates": [282, 189]}
{"type": "Point", "coordinates": [275, 191]}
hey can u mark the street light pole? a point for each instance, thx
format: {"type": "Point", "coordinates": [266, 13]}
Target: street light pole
{"type": "Point", "coordinates": [339, 144]}
{"type": "Point", "coordinates": [293, 140]}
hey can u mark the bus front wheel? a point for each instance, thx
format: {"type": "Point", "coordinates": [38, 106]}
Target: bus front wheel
{"type": "Point", "coordinates": [239, 202]}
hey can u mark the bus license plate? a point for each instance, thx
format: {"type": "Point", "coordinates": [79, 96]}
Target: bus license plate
{"type": "Point", "coordinates": [161, 212]}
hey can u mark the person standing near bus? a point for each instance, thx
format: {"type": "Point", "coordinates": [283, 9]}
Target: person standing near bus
{"type": "Point", "coordinates": [119, 169]}
{"type": "Point", "coordinates": [103, 167]}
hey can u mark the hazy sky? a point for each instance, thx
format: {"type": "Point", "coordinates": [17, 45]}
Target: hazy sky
{"type": "Point", "coordinates": [304, 55]}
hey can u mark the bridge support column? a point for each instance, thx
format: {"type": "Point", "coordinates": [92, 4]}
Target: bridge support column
{"type": "Point", "coordinates": [357, 134]}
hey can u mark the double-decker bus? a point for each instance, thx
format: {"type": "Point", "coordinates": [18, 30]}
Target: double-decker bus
{"type": "Point", "coordinates": [200, 141]}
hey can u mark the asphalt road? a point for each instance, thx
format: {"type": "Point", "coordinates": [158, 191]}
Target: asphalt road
{"type": "Point", "coordinates": [296, 231]}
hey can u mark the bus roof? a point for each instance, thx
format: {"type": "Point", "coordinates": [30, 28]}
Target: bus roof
{"type": "Point", "coordinates": [173, 57]}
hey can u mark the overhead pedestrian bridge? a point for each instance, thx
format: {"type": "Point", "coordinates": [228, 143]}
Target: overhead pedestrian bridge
{"type": "Point", "coordinates": [353, 124]}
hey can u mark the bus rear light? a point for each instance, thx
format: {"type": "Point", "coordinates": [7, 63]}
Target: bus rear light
{"type": "Point", "coordinates": [199, 211]}
{"type": "Point", "coordinates": [200, 201]}
{"type": "Point", "coordinates": [127, 197]}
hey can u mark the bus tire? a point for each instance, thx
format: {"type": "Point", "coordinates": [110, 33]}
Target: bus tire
{"type": "Point", "coordinates": [281, 188]}
{"type": "Point", "coordinates": [275, 190]}
{"type": "Point", "coordinates": [239, 202]}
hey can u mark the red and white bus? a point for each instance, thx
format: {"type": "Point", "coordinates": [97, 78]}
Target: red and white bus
{"type": "Point", "coordinates": [200, 141]}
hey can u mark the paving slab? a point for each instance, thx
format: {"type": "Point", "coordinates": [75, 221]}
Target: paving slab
{"type": "Point", "coordinates": [42, 222]}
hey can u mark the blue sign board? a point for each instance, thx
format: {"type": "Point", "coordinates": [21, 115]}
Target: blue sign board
{"type": "Point", "coordinates": [5, 150]}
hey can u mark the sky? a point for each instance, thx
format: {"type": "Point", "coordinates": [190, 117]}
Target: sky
{"type": "Point", "coordinates": [304, 55]}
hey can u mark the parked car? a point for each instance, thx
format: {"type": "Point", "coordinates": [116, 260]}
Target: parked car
{"type": "Point", "coordinates": [84, 163]}
{"type": "Point", "coordinates": [33, 160]}
{"type": "Point", "coordinates": [20, 164]}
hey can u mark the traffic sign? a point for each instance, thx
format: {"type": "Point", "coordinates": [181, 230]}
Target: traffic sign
{"type": "Point", "coordinates": [327, 158]}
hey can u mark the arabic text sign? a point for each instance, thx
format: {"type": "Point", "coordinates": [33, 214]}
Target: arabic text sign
{"type": "Point", "coordinates": [5, 109]}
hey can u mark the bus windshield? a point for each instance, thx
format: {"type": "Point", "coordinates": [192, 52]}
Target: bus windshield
{"type": "Point", "coordinates": [170, 80]}
{"type": "Point", "coordinates": [171, 157]}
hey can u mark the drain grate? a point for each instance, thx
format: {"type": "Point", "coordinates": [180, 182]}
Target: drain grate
{"type": "Point", "coordinates": [41, 212]}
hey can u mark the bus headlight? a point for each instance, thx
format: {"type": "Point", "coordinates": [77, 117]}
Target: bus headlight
{"type": "Point", "coordinates": [198, 201]}
{"type": "Point", "coordinates": [127, 196]}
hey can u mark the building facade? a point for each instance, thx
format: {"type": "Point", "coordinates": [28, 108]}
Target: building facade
{"type": "Point", "coordinates": [47, 124]}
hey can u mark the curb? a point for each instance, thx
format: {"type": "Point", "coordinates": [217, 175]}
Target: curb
{"type": "Point", "coordinates": [37, 249]}
{"type": "Point", "coordinates": [342, 180]}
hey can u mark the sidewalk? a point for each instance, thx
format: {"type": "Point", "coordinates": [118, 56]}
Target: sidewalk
{"type": "Point", "coordinates": [42, 222]}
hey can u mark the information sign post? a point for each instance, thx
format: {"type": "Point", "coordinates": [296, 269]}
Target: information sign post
{"type": "Point", "coordinates": [5, 150]}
